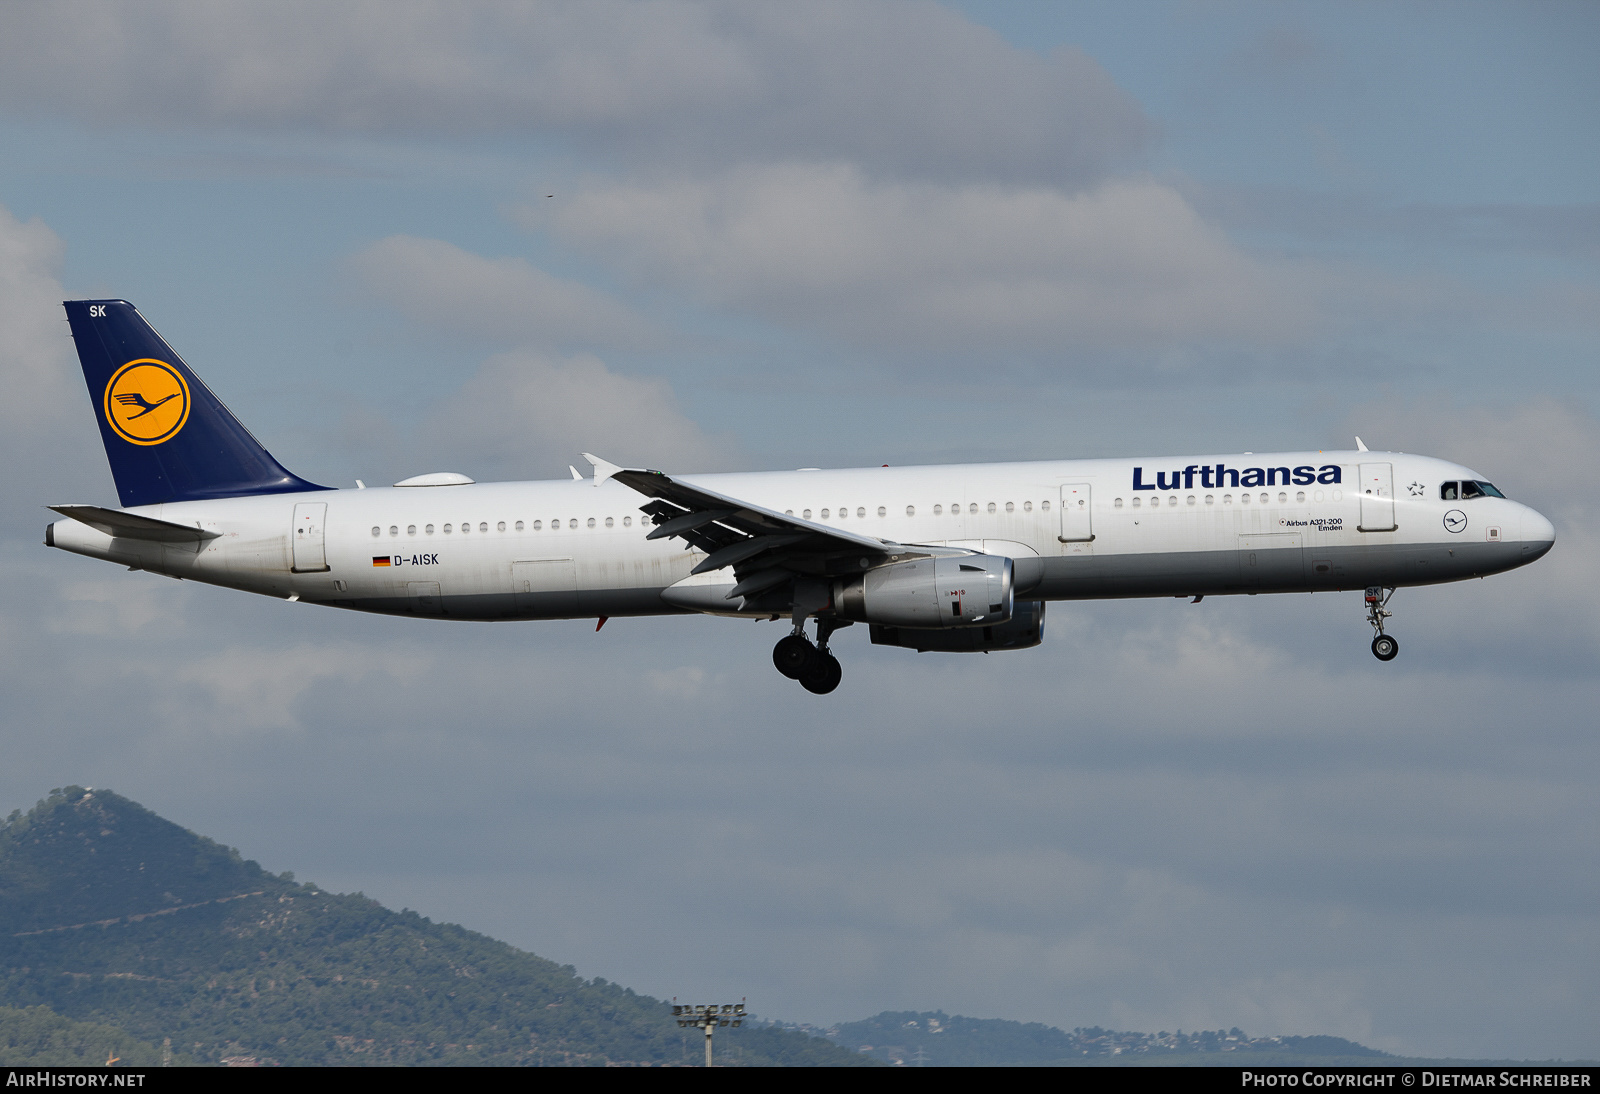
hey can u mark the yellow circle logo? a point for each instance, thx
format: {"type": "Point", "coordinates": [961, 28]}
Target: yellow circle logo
{"type": "Point", "coordinates": [147, 401]}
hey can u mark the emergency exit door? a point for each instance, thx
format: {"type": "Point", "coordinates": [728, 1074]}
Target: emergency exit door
{"type": "Point", "coordinates": [1077, 513]}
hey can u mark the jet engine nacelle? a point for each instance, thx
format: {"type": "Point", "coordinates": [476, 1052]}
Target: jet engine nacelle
{"type": "Point", "coordinates": [1023, 630]}
{"type": "Point", "coordinates": [946, 591]}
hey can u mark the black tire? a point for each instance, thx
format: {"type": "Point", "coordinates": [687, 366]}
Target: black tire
{"type": "Point", "coordinates": [793, 655]}
{"type": "Point", "coordinates": [1384, 647]}
{"type": "Point", "coordinates": [824, 675]}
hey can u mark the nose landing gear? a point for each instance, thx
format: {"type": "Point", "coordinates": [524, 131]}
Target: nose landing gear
{"type": "Point", "coordinates": [1384, 647]}
{"type": "Point", "coordinates": [818, 671]}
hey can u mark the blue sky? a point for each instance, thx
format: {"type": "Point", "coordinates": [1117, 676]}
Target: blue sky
{"type": "Point", "coordinates": [798, 236]}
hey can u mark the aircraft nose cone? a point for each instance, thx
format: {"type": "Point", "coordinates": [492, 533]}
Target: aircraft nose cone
{"type": "Point", "coordinates": [1538, 535]}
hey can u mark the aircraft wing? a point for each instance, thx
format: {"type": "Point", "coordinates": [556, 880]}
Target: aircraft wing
{"type": "Point", "coordinates": [764, 547]}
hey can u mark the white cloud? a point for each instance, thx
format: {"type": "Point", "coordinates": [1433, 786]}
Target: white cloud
{"type": "Point", "coordinates": [899, 85]}
{"type": "Point", "coordinates": [47, 433]}
{"type": "Point", "coordinates": [254, 688]}
{"type": "Point", "coordinates": [437, 284]}
{"type": "Point", "coordinates": [531, 414]}
{"type": "Point", "coordinates": [988, 269]}
{"type": "Point", "coordinates": [38, 370]}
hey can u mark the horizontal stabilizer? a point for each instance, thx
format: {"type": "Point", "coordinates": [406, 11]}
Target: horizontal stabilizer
{"type": "Point", "coordinates": [114, 522]}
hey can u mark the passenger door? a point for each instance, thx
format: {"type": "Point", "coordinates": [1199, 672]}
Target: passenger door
{"type": "Point", "coordinates": [310, 551]}
{"type": "Point", "coordinates": [1377, 498]}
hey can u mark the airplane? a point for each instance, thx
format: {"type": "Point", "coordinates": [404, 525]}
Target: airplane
{"type": "Point", "coordinates": [960, 558]}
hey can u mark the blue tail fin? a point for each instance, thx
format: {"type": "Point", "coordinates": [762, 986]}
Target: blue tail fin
{"type": "Point", "coordinates": [167, 437]}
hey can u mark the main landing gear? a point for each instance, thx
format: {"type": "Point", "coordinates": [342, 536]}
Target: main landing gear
{"type": "Point", "coordinates": [1384, 647]}
{"type": "Point", "coordinates": [818, 671]}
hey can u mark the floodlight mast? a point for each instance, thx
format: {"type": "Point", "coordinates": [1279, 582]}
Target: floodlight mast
{"type": "Point", "coordinates": [709, 1018]}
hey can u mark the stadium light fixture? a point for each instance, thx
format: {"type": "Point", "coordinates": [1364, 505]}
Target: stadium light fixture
{"type": "Point", "coordinates": [709, 1017]}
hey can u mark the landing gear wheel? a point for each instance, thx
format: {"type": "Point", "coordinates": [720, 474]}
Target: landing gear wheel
{"type": "Point", "coordinates": [793, 655]}
{"type": "Point", "coordinates": [823, 676]}
{"type": "Point", "coordinates": [1384, 647]}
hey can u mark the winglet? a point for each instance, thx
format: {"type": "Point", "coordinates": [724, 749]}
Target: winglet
{"type": "Point", "coordinates": [603, 470]}
{"type": "Point", "coordinates": [1361, 445]}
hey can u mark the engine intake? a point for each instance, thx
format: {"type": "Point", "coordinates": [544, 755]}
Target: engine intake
{"type": "Point", "coordinates": [947, 591]}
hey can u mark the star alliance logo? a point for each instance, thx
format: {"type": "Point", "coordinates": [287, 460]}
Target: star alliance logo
{"type": "Point", "coordinates": [1415, 489]}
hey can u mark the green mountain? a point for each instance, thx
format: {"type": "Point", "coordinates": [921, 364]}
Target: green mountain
{"type": "Point", "coordinates": [39, 1037]}
{"type": "Point", "coordinates": [112, 916]}
{"type": "Point", "coordinates": [936, 1039]}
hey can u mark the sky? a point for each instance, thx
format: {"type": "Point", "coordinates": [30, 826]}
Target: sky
{"type": "Point", "coordinates": [409, 237]}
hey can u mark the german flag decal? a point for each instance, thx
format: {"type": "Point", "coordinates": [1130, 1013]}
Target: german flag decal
{"type": "Point", "coordinates": [380, 560]}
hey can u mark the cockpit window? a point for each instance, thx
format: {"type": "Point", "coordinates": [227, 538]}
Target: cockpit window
{"type": "Point", "coordinates": [1461, 491]}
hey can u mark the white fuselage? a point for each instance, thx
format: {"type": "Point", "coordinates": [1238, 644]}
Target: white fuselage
{"type": "Point", "coordinates": [570, 548]}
